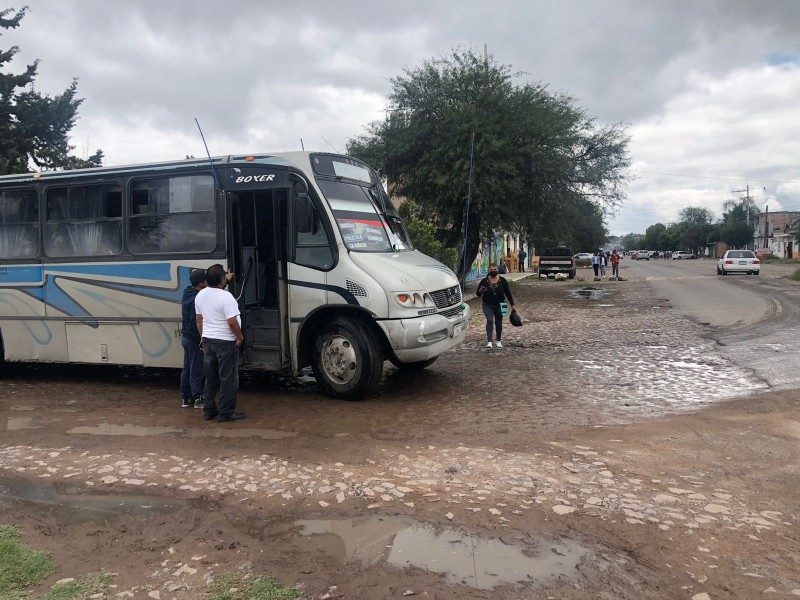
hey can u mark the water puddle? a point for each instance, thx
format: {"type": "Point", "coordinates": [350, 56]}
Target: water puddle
{"type": "Point", "coordinates": [461, 558]}
{"type": "Point", "coordinates": [587, 293]}
{"type": "Point", "coordinates": [145, 431]}
{"type": "Point", "coordinates": [74, 503]}
{"type": "Point", "coordinates": [17, 423]}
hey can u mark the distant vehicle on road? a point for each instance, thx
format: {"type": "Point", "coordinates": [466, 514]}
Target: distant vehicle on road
{"type": "Point", "coordinates": [557, 260]}
{"type": "Point", "coordinates": [583, 259]}
{"type": "Point", "coordinates": [643, 255]}
{"type": "Point", "coordinates": [739, 261]}
{"type": "Point", "coordinates": [762, 252]}
{"type": "Point", "coordinates": [680, 255]}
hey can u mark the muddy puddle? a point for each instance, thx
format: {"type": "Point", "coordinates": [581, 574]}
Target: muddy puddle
{"type": "Point", "coordinates": [145, 431]}
{"type": "Point", "coordinates": [588, 293]}
{"type": "Point", "coordinates": [460, 557]}
{"type": "Point", "coordinates": [73, 503]}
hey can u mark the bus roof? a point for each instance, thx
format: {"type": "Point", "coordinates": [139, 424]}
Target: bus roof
{"type": "Point", "coordinates": [296, 158]}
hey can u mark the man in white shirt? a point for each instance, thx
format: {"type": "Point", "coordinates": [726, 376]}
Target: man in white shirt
{"type": "Point", "coordinates": [220, 327]}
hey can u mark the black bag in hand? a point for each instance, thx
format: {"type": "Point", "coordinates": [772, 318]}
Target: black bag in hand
{"type": "Point", "coordinates": [515, 319]}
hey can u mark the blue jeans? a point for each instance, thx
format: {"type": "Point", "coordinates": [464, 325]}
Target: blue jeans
{"type": "Point", "coordinates": [494, 320]}
{"type": "Point", "coordinates": [221, 362]}
{"type": "Point", "coordinates": [192, 373]}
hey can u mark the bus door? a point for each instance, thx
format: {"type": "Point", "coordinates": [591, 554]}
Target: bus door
{"type": "Point", "coordinates": [257, 252]}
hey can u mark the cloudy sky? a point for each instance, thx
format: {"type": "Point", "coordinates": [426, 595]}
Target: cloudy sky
{"type": "Point", "coordinates": [710, 89]}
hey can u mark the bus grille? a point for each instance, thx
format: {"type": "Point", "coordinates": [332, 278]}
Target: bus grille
{"type": "Point", "coordinates": [447, 297]}
{"type": "Point", "coordinates": [452, 312]}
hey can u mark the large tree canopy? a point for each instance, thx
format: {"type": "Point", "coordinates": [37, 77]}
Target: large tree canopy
{"type": "Point", "coordinates": [738, 221]}
{"type": "Point", "coordinates": [538, 158]}
{"type": "Point", "coordinates": [34, 127]}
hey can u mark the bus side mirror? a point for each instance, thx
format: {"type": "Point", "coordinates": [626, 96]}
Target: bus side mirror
{"type": "Point", "coordinates": [303, 213]}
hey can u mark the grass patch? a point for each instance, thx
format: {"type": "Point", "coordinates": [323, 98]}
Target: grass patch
{"type": "Point", "coordinates": [20, 567]}
{"type": "Point", "coordinates": [770, 258]}
{"type": "Point", "coordinates": [80, 589]}
{"type": "Point", "coordinates": [240, 586]}
{"type": "Point", "coordinates": [796, 275]}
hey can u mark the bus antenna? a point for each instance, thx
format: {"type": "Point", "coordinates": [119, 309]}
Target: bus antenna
{"type": "Point", "coordinates": [211, 162]}
{"type": "Point", "coordinates": [302, 145]}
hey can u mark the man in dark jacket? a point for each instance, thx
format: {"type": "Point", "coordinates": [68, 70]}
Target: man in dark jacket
{"type": "Point", "coordinates": [192, 373]}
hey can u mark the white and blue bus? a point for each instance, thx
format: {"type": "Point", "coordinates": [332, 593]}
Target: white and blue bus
{"type": "Point", "coordinates": [93, 264]}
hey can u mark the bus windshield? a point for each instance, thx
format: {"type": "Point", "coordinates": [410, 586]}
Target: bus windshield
{"type": "Point", "coordinates": [367, 219]}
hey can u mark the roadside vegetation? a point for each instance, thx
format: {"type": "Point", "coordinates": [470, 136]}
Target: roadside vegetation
{"type": "Point", "coordinates": [796, 275]}
{"type": "Point", "coordinates": [22, 568]}
{"type": "Point", "coordinates": [241, 586]}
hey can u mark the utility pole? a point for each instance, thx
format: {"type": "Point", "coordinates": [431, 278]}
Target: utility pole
{"type": "Point", "coordinates": [747, 204]}
{"type": "Point", "coordinates": [746, 199]}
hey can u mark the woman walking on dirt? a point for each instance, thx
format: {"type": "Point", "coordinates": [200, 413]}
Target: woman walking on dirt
{"type": "Point", "coordinates": [494, 290]}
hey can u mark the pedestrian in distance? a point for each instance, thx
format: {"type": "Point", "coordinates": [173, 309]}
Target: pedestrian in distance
{"type": "Point", "coordinates": [603, 263]}
{"type": "Point", "coordinates": [495, 291]}
{"type": "Point", "coordinates": [193, 371]}
{"type": "Point", "coordinates": [220, 327]}
{"type": "Point", "coordinates": [596, 264]}
{"type": "Point", "coordinates": [522, 256]}
{"type": "Point", "coordinates": [615, 264]}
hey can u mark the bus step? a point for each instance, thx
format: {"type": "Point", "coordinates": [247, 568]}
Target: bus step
{"type": "Point", "coordinates": [264, 347]}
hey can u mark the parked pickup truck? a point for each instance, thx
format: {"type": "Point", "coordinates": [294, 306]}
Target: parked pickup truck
{"type": "Point", "coordinates": [557, 260]}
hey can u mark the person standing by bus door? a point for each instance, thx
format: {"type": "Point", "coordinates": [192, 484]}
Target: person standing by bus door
{"type": "Point", "coordinates": [220, 327]}
{"type": "Point", "coordinates": [193, 369]}
{"type": "Point", "coordinates": [522, 256]}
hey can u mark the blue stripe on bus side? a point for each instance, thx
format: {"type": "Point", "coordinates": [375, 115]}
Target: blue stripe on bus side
{"type": "Point", "coordinates": [148, 271]}
{"type": "Point", "coordinates": [22, 274]}
{"type": "Point", "coordinates": [53, 296]}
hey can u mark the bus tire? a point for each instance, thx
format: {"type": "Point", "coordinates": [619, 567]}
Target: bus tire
{"type": "Point", "coordinates": [347, 359]}
{"type": "Point", "coordinates": [413, 366]}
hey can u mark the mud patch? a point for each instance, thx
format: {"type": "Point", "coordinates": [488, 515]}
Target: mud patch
{"type": "Point", "coordinates": [587, 292]}
{"type": "Point", "coordinates": [74, 504]}
{"type": "Point", "coordinates": [460, 557]}
{"type": "Point", "coordinates": [141, 431]}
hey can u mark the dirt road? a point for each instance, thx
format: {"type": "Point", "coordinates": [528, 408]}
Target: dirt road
{"type": "Point", "coordinates": [610, 450]}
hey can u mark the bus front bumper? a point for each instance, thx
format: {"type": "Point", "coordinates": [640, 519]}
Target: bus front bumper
{"type": "Point", "coordinates": [421, 338]}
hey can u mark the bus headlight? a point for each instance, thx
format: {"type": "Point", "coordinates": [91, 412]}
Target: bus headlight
{"type": "Point", "coordinates": [414, 299]}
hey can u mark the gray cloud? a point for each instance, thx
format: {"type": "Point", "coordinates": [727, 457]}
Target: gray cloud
{"type": "Point", "coordinates": [260, 75]}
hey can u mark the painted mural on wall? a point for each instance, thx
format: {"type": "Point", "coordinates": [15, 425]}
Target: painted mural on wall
{"type": "Point", "coordinates": [489, 251]}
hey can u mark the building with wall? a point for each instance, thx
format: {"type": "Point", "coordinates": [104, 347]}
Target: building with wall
{"type": "Point", "coordinates": [777, 231]}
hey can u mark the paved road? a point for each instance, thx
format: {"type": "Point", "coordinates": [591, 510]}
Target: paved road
{"type": "Point", "coordinates": [694, 289]}
{"type": "Point", "coordinates": [753, 318]}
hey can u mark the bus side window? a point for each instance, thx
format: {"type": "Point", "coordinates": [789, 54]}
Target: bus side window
{"type": "Point", "coordinates": [312, 246]}
{"type": "Point", "coordinates": [172, 214]}
{"type": "Point", "coordinates": [19, 224]}
{"type": "Point", "coordinates": [84, 220]}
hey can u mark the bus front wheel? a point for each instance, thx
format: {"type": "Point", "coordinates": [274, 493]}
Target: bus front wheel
{"type": "Point", "coordinates": [347, 359]}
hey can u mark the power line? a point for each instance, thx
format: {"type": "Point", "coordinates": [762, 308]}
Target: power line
{"type": "Point", "coordinates": [720, 178]}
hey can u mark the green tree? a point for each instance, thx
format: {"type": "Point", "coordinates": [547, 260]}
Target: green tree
{"type": "Point", "coordinates": [654, 237]}
{"type": "Point", "coordinates": [694, 226]}
{"type": "Point", "coordinates": [631, 241]}
{"type": "Point", "coordinates": [34, 127]}
{"type": "Point", "coordinates": [537, 156]}
{"type": "Point", "coordinates": [589, 231]}
{"type": "Point", "coordinates": [424, 235]}
{"type": "Point", "coordinates": [738, 218]}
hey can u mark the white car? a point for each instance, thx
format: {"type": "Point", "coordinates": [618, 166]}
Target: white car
{"type": "Point", "coordinates": [583, 259]}
{"type": "Point", "coordinates": [739, 261]}
{"type": "Point", "coordinates": [682, 255]}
